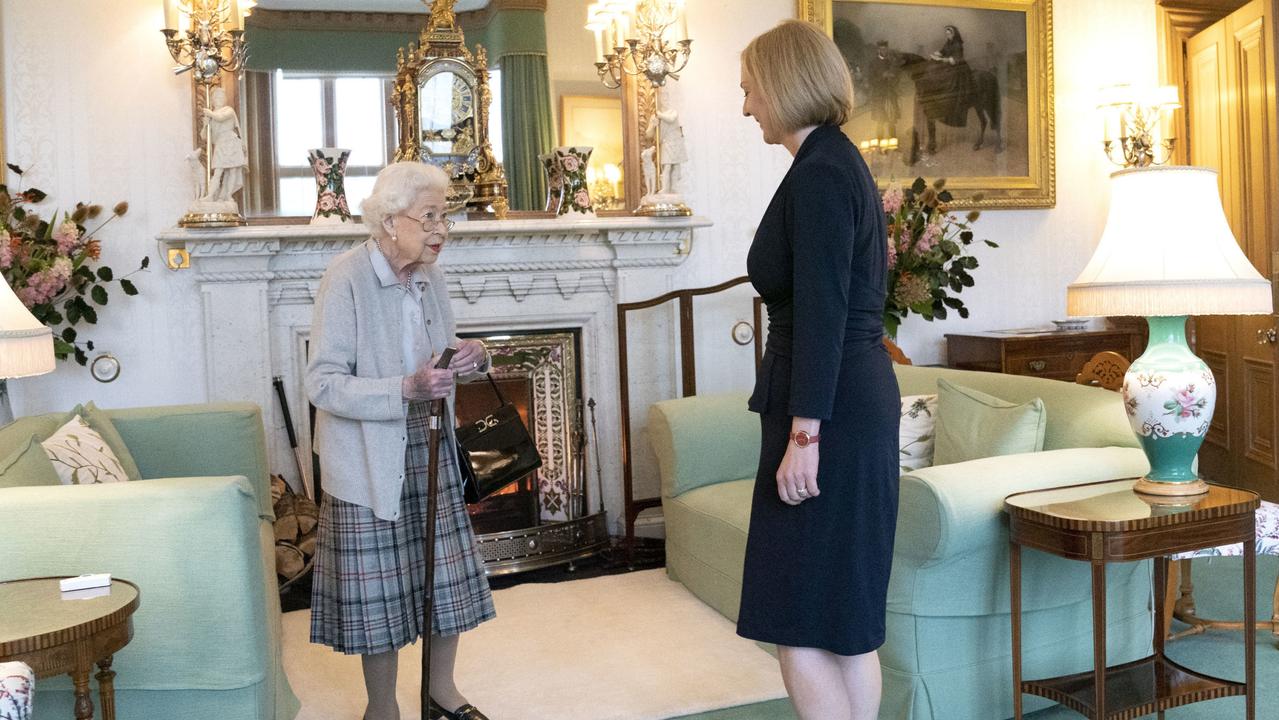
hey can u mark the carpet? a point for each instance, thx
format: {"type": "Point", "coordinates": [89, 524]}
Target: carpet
{"type": "Point", "coordinates": [636, 646]}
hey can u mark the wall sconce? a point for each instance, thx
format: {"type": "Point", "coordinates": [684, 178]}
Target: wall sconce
{"type": "Point", "coordinates": [1138, 124]}
{"type": "Point", "coordinates": [206, 37]}
{"type": "Point", "coordinates": [639, 37]}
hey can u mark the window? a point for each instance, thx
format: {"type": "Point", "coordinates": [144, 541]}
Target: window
{"type": "Point", "coordinates": [318, 110]}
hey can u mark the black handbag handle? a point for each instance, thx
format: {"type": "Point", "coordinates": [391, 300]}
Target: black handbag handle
{"type": "Point", "coordinates": [501, 399]}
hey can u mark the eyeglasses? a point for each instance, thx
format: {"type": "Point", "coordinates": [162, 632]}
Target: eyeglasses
{"type": "Point", "coordinates": [431, 220]}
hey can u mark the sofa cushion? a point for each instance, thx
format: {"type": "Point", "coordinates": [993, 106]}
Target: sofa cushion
{"type": "Point", "coordinates": [98, 419]}
{"type": "Point", "coordinates": [972, 425]}
{"type": "Point", "coordinates": [703, 440]}
{"type": "Point", "coordinates": [916, 432]}
{"type": "Point", "coordinates": [27, 466]}
{"type": "Point", "coordinates": [81, 457]}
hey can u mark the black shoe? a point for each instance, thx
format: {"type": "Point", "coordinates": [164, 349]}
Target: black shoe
{"type": "Point", "coordinates": [466, 712]}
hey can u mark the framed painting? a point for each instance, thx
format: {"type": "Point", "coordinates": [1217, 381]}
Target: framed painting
{"type": "Point", "coordinates": [596, 121]}
{"type": "Point", "coordinates": [956, 89]}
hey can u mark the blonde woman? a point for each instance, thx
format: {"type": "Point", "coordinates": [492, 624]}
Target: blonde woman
{"type": "Point", "coordinates": [820, 543]}
{"type": "Point", "coordinates": [382, 318]}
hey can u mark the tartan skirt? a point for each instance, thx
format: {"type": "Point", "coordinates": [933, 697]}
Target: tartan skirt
{"type": "Point", "coordinates": [367, 587]}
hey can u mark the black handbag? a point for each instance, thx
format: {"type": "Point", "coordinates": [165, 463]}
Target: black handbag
{"type": "Point", "coordinates": [494, 451]}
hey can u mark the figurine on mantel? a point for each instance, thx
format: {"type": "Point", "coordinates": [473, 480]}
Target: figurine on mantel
{"type": "Point", "coordinates": [227, 160]}
{"type": "Point", "coordinates": [665, 132]}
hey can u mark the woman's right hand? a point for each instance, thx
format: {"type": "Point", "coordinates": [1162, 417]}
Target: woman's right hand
{"type": "Point", "coordinates": [428, 383]}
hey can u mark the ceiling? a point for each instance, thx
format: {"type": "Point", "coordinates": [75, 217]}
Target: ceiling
{"type": "Point", "coordinates": [401, 6]}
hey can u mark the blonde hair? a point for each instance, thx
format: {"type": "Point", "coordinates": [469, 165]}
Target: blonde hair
{"type": "Point", "coordinates": [801, 74]}
{"type": "Point", "coordinates": [397, 187]}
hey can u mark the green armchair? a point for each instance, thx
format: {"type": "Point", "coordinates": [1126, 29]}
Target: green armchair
{"type": "Point", "coordinates": [195, 536]}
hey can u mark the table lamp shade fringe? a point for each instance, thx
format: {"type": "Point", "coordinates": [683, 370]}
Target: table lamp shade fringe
{"type": "Point", "coordinates": [26, 352]}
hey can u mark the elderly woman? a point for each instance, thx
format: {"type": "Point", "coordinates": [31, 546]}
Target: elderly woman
{"type": "Point", "coordinates": [820, 542]}
{"type": "Point", "coordinates": [382, 318]}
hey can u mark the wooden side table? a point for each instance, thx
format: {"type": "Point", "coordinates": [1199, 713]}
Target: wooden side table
{"type": "Point", "coordinates": [1057, 355]}
{"type": "Point", "coordinates": [1108, 522]}
{"type": "Point", "coordinates": [55, 635]}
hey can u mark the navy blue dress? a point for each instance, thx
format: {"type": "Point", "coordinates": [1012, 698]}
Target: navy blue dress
{"type": "Point", "coordinates": [816, 574]}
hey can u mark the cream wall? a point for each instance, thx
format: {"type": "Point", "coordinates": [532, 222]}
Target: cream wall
{"type": "Point", "coordinates": [96, 114]}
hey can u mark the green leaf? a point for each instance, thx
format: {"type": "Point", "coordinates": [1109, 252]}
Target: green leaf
{"type": "Point", "coordinates": [73, 311]}
{"type": "Point", "coordinates": [91, 315]}
{"type": "Point", "coordinates": [85, 272]}
{"type": "Point", "coordinates": [994, 245]}
{"type": "Point", "coordinates": [34, 195]}
{"type": "Point", "coordinates": [52, 317]}
{"type": "Point", "coordinates": [99, 294]}
{"type": "Point", "coordinates": [105, 274]}
{"type": "Point", "coordinates": [966, 236]}
{"type": "Point", "coordinates": [68, 334]}
{"type": "Point", "coordinates": [953, 303]}
{"type": "Point", "coordinates": [146, 262]}
{"type": "Point", "coordinates": [127, 286]}
{"type": "Point", "coordinates": [89, 344]}
{"type": "Point", "coordinates": [81, 358]}
{"type": "Point", "coordinates": [61, 347]}
{"type": "Point", "coordinates": [918, 186]}
{"type": "Point", "coordinates": [963, 313]}
{"type": "Point", "coordinates": [945, 196]}
{"type": "Point", "coordinates": [16, 170]}
{"type": "Point", "coordinates": [939, 313]}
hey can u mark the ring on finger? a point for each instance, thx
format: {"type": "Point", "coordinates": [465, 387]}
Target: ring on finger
{"type": "Point", "coordinates": [801, 491]}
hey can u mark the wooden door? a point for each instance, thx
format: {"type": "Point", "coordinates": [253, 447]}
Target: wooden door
{"type": "Point", "coordinates": [1230, 106]}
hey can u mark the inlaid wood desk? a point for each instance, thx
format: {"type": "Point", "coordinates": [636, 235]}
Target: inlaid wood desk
{"type": "Point", "coordinates": [1108, 522]}
{"type": "Point", "coordinates": [55, 635]}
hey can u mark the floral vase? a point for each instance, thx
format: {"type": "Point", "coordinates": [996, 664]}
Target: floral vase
{"type": "Point", "coordinates": [576, 196]}
{"type": "Point", "coordinates": [329, 165]}
{"type": "Point", "coordinates": [554, 182]}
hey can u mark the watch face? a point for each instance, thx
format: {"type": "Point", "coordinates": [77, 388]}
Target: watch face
{"type": "Point", "coordinates": [801, 439]}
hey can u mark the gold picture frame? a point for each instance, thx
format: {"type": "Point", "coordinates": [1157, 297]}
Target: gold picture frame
{"type": "Point", "coordinates": [903, 70]}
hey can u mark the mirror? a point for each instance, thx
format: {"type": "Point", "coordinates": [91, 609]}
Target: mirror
{"type": "Point", "coordinates": [321, 73]}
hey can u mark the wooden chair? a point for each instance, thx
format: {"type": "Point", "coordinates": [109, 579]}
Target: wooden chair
{"type": "Point", "coordinates": [1106, 370]}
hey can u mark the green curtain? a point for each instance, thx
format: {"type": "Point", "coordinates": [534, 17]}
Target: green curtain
{"type": "Point", "coordinates": [526, 127]}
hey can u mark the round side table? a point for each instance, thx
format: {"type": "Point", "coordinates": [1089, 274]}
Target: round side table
{"type": "Point", "coordinates": [57, 633]}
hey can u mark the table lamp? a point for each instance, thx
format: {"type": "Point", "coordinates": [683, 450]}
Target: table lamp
{"type": "Point", "coordinates": [26, 346]}
{"type": "Point", "coordinates": [1167, 252]}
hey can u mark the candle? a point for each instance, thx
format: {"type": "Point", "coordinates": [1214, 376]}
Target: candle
{"type": "Point", "coordinates": [683, 20]}
{"type": "Point", "coordinates": [621, 29]}
{"type": "Point", "coordinates": [599, 44]}
{"type": "Point", "coordinates": [170, 15]}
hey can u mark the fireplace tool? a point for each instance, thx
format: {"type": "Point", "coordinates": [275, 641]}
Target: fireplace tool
{"type": "Point", "coordinates": [428, 535]}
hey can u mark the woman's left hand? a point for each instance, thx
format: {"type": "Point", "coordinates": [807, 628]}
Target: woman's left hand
{"type": "Point", "coordinates": [797, 475]}
{"type": "Point", "coordinates": [469, 357]}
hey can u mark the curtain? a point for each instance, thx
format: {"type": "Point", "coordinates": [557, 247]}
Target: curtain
{"type": "Point", "coordinates": [526, 127]}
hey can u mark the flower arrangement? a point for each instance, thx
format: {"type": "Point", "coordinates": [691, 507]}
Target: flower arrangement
{"type": "Point", "coordinates": [928, 253]}
{"type": "Point", "coordinates": [51, 265]}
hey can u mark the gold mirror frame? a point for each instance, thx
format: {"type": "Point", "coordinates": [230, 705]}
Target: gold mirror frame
{"type": "Point", "coordinates": [442, 38]}
{"type": "Point", "coordinates": [1038, 188]}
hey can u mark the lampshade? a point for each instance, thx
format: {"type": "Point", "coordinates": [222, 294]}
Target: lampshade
{"type": "Point", "coordinates": [26, 345]}
{"type": "Point", "coordinates": [1167, 250]}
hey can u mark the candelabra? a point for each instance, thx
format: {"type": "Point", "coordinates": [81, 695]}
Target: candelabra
{"type": "Point", "coordinates": [1139, 121]}
{"type": "Point", "coordinates": [206, 38]}
{"type": "Point", "coordinates": [649, 52]}
{"type": "Point", "coordinates": [648, 38]}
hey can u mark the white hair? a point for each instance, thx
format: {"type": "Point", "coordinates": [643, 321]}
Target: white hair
{"type": "Point", "coordinates": [397, 187]}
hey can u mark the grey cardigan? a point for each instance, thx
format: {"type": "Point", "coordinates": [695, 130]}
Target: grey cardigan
{"type": "Point", "coordinates": [355, 374]}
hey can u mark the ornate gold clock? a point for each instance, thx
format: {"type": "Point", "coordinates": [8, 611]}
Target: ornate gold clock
{"type": "Point", "coordinates": [441, 100]}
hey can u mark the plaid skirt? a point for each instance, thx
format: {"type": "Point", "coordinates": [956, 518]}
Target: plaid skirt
{"type": "Point", "coordinates": [367, 587]}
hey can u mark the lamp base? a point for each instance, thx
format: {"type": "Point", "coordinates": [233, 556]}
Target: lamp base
{"type": "Point", "coordinates": [1146, 486]}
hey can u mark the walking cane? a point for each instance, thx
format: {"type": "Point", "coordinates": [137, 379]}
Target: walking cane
{"type": "Point", "coordinates": [428, 537]}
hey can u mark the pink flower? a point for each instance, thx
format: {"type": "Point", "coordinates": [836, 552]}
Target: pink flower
{"type": "Point", "coordinates": [342, 206]}
{"type": "Point", "coordinates": [893, 200]}
{"type": "Point", "coordinates": [571, 163]}
{"type": "Point", "coordinates": [322, 166]}
{"type": "Point", "coordinates": [928, 240]}
{"type": "Point", "coordinates": [892, 254]}
{"type": "Point", "coordinates": [67, 235]}
{"type": "Point", "coordinates": [326, 202]}
{"type": "Point", "coordinates": [582, 199]}
{"type": "Point", "coordinates": [6, 255]}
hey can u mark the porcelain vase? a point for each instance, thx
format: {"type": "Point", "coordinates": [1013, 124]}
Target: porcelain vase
{"type": "Point", "coordinates": [329, 166]}
{"type": "Point", "coordinates": [575, 195]}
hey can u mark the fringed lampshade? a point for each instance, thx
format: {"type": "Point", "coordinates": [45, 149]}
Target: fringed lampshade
{"type": "Point", "coordinates": [1167, 252]}
{"type": "Point", "coordinates": [26, 345]}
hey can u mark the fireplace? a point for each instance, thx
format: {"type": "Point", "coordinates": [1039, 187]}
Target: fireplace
{"type": "Point", "coordinates": [551, 516]}
{"type": "Point", "coordinates": [249, 294]}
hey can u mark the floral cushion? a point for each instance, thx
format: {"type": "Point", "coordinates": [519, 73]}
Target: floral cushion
{"type": "Point", "coordinates": [1267, 537]}
{"type": "Point", "coordinates": [81, 456]}
{"type": "Point", "coordinates": [919, 420]}
{"type": "Point", "coordinates": [17, 688]}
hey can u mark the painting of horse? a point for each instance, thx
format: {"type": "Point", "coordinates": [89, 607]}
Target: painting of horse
{"type": "Point", "coordinates": [943, 94]}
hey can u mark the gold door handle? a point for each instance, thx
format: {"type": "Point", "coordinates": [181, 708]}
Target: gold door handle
{"type": "Point", "coordinates": [1037, 365]}
{"type": "Point", "coordinates": [1267, 337]}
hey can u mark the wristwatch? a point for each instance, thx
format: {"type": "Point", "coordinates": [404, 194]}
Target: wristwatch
{"type": "Point", "coordinates": [802, 439]}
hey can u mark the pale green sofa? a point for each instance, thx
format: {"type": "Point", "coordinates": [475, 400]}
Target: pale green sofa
{"type": "Point", "coordinates": [948, 651]}
{"type": "Point", "coordinates": [196, 538]}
